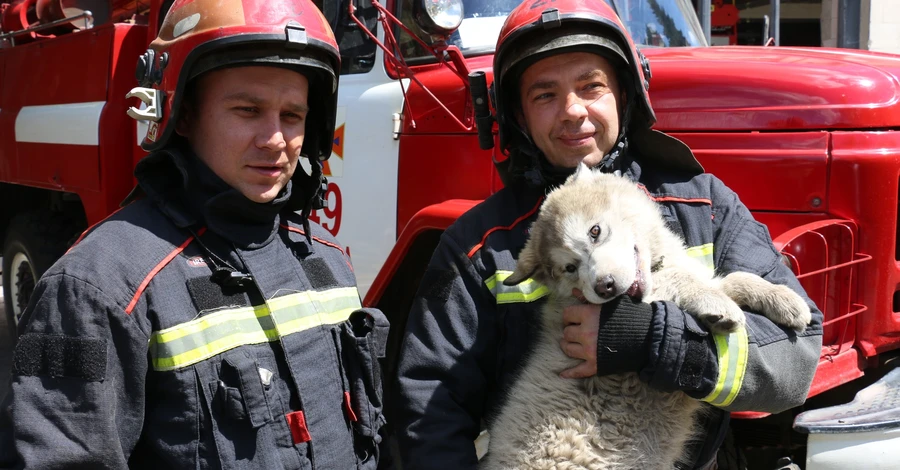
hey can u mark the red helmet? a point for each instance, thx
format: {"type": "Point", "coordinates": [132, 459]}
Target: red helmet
{"type": "Point", "coordinates": [537, 29]}
{"type": "Point", "coordinates": [197, 36]}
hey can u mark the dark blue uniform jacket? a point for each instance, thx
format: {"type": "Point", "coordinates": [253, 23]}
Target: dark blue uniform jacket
{"type": "Point", "coordinates": [467, 333]}
{"type": "Point", "coordinates": [131, 356]}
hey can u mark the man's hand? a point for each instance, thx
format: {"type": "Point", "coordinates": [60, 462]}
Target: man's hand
{"type": "Point", "coordinates": [580, 339]}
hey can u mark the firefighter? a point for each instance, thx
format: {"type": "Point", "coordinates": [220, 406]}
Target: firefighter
{"type": "Point", "coordinates": [569, 86]}
{"type": "Point", "coordinates": [208, 324]}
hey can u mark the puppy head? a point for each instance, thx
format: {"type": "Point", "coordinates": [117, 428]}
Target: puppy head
{"type": "Point", "coordinates": [590, 239]}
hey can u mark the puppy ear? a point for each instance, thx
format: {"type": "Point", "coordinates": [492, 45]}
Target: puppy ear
{"type": "Point", "coordinates": [582, 173]}
{"type": "Point", "coordinates": [526, 265]}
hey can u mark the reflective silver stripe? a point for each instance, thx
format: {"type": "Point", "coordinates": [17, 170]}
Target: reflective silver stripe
{"type": "Point", "coordinates": [528, 290]}
{"type": "Point", "coordinates": [209, 335]}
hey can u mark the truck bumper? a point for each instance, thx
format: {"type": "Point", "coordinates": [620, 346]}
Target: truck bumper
{"type": "Point", "coordinates": [864, 433]}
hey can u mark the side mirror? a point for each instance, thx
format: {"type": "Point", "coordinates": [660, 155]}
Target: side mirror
{"type": "Point", "coordinates": [438, 17]}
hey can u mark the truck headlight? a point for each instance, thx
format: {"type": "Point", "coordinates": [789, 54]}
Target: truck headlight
{"type": "Point", "coordinates": [440, 17]}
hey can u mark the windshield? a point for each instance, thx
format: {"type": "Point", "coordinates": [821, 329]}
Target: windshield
{"type": "Point", "coordinates": [661, 23]}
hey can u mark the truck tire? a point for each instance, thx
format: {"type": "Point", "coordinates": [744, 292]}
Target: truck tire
{"type": "Point", "coordinates": [34, 241]}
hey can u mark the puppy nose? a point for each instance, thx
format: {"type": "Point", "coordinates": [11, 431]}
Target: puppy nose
{"type": "Point", "coordinates": [606, 287]}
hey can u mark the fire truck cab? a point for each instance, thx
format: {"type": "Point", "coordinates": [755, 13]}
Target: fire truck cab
{"type": "Point", "coordinates": [807, 137]}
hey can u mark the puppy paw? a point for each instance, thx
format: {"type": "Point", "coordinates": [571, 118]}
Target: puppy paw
{"type": "Point", "coordinates": [718, 312]}
{"type": "Point", "coordinates": [787, 308]}
{"type": "Point", "coordinates": [777, 302]}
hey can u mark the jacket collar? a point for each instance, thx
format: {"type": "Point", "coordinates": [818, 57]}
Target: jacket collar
{"type": "Point", "coordinates": [193, 196]}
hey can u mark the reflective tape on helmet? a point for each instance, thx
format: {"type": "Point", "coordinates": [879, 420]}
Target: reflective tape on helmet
{"type": "Point", "coordinates": [528, 290]}
{"type": "Point", "coordinates": [732, 350]}
{"type": "Point", "coordinates": [197, 340]}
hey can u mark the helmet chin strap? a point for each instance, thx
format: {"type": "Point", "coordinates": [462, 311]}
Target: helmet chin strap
{"type": "Point", "coordinates": [611, 161]}
{"type": "Point", "coordinates": [534, 176]}
{"type": "Point", "coordinates": [313, 188]}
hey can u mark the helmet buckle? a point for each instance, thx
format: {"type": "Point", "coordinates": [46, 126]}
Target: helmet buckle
{"type": "Point", "coordinates": [295, 35]}
{"type": "Point", "coordinates": [550, 18]}
{"type": "Point", "coordinates": [319, 201]}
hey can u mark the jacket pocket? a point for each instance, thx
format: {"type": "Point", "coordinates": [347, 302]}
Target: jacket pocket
{"type": "Point", "coordinates": [362, 341]}
{"type": "Point", "coordinates": [239, 412]}
{"type": "Point", "coordinates": [238, 393]}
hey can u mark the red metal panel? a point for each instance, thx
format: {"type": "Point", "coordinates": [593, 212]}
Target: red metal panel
{"type": "Point", "coordinates": [119, 147]}
{"type": "Point", "coordinates": [71, 168]}
{"type": "Point", "coordinates": [7, 128]}
{"type": "Point", "coordinates": [836, 370]}
{"type": "Point", "coordinates": [69, 69]}
{"type": "Point", "coordinates": [758, 88]}
{"type": "Point", "coordinates": [435, 168]}
{"type": "Point", "coordinates": [780, 222]}
{"type": "Point", "coordinates": [769, 171]}
{"type": "Point", "coordinates": [446, 86]}
{"type": "Point", "coordinates": [864, 187]}
{"type": "Point", "coordinates": [7, 144]}
{"type": "Point", "coordinates": [434, 217]}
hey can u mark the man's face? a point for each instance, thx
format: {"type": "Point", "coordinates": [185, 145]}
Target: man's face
{"type": "Point", "coordinates": [247, 124]}
{"type": "Point", "coordinates": [570, 107]}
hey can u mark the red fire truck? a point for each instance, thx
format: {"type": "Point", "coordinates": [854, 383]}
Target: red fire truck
{"type": "Point", "coordinates": [808, 138]}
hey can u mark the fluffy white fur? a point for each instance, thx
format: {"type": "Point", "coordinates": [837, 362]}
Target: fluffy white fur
{"type": "Point", "coordinates": [612, 422]}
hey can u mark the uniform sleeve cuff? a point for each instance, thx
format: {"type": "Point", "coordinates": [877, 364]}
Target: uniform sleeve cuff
{"type": "Point", "coordinates": [624, 336]}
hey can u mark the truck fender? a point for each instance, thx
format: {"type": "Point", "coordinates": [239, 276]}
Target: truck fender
{"type": "Point", "coordinates": [433, 218]}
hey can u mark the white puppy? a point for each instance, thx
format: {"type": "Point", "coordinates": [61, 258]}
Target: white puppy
{"type": "Point", "coordinates": [602, 235]}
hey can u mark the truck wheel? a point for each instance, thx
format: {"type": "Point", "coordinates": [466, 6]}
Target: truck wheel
{"type": "Point", "coordinates": [34, 241]}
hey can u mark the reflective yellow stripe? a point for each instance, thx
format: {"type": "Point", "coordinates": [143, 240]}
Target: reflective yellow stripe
{"type": "Point", "coordinates": [528, 290]}
{"type": "Point", "coordinates": [732, 350]}
{"type": "Point", "coordinates": [200, 339]}
{"type": "Point", "coordinates": [203, 323]}
{"type": "Point", "coordinates": [325, 318]}
{"type": "Point", "coordinates": [704, 253]}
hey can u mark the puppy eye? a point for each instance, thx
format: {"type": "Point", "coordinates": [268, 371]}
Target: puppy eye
{"type": "Point", "coordinates": [595, 231]}
{"type": "Point", "coordinates": [571, 268]}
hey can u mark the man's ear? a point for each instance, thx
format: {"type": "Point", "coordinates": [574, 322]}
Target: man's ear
{"type": "Point", "coordinates": [526, 266]}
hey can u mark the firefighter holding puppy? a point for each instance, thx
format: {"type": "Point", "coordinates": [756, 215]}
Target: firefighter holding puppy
{"type": "Point", "coordinates": [570, 87]}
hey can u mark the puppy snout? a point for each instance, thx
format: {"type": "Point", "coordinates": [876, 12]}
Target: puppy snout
{"type": "Point", "coordinates": [606, 287]}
